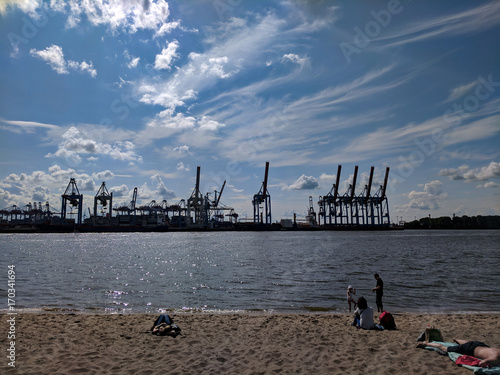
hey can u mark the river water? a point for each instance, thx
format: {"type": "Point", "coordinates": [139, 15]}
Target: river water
{"type": "Point", "coordinates": [423, 271]}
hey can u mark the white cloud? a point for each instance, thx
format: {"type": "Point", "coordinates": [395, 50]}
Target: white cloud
{"type": "Point", "coordinates": [215, 67]}
{"type": "Point", "coordinates": [161, 189]}
{"type": "Point", "coordinates": [304, 183]}
{"type": "Point", "coordinates": [54, 56]}
{"type": "Point", "coordinates": [104, 175]}
{"type": "Point", "coordinates": [75, 143]}
{"type": "Point", "coordinates": [27, 6]}
{"type": "Point", "coordinates": [167, 56]}
{"type": "Point", "coordinates": [131, 15]}
{"type": "Point", "coordinates": [119, 191]}
{"type": "Point", "coordinates": [28, 124]}
{"type": "Point", "coordinates": [182, 167]}
{"type": "Point", "coordinates": [458, 92]}
{"type": "Point", "coordinates": [181, 149]}
{"type": "Point", "coordinates": [83, 67]}
{"type": "Point", "coordinates": [235, 46]}
{"type": "Point", "coordinates": [42, 186]}
{"type": "Point", "coordinates": [466, 22]}
{"type": "Point", "coordinates": [429, 198]}
{"type": "Point", "coordinates": [487, 185]}
{"type": "Point", "coordinates": [464, 172]}
{"type": "Point", "coordinates": [133, 62]}
{"type": "Point", "coordinates": [294, 58]}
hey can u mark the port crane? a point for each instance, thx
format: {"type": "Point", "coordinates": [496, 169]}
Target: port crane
{"type": "Point", "coordinates": [101, 199]}
{"type": "Point", "coordinates": [72, 197]}
{"type": "Point", "coordinates": [262, 215]}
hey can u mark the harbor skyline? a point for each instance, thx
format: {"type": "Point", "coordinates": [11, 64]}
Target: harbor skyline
{"type": "Point", "coordinates": [138, 94]}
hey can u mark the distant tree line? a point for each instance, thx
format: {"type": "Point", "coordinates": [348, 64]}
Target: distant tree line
{"type": "Point", "coordinates": [463, 222]}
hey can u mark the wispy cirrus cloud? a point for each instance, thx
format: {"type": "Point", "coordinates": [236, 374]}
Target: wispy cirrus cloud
{"type": "Point", "coordinates": [470, 21]}
{"type": "Point", "coordinates": [27, 124]}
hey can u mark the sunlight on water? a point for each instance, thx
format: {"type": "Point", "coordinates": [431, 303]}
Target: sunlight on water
{"type": "Point", "coordinates": [423, 271]}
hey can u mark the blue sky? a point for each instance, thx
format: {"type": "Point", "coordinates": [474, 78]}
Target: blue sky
{"type": "Point", "coordinates": [139, 93]}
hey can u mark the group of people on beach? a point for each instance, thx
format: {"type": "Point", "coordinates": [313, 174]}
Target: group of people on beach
{"type": "Point", "coordinates": [363, 318]}
{"type": "Point", "coordinates": [363, 314]}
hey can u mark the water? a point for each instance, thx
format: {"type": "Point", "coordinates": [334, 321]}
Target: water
{"type": "Point", "coordinates": [423, 271]}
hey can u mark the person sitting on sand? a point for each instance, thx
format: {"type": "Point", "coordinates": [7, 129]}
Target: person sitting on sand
{"type": "Point", "coordinates": [476, 349]}
{"type": "Point", "coordinates": [363, 315]}
{"type": "Point", "coordinates": [350, 299]}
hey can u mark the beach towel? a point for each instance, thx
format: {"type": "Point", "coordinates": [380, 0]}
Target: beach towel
{"type": "Point", "coordinates": [455, 356]}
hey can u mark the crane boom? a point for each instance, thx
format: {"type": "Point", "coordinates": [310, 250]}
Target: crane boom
{"type": "Point", "coordinates": [384, 188]}
{"type": "Point", "coordinates": [369, 188]}
{"type": "Point", "coordinates": [354, 181]}
{"type": "Point", "coordinates": [337, 182]}
{"type": "Point", "coordinates": [221, 190]}
{"type": "Point", "coordinates": [264, 186]}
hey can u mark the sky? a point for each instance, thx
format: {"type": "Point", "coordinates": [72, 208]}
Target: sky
{"type": "Point", "coordinates": [138, 93]}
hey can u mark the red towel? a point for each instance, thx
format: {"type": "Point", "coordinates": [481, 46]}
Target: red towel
{"type": "Point", "coordinates": [470, 361]}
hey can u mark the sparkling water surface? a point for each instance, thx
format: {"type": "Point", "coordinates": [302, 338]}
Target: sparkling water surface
{"type": "Point", "coordinates": [423, 271]}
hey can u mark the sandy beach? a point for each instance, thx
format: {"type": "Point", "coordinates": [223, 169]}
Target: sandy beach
{"type": "Point", "coordinates": [247, 343]}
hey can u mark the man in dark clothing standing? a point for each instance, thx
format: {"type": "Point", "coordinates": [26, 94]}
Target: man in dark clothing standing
{"type": "Point", "coordinates": [379, 289]}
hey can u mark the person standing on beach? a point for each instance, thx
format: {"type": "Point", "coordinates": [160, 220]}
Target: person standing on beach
{"type": "Point", "coordinates": [350, 296]}
{"type": "Point", "coordinates": [379, 289]}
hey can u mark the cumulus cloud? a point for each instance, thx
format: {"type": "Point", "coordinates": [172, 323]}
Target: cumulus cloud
{"type": "Point", "coordinates": [167, 56]}
{"type": "Point", "coordinates": [296, 59]}
{"type": "Point", "coordinates": [161, 189]}
{"type": "Point", "coordinates": [182, 167]}
{"type": "Point", "coordinates": [54, 56]}
{"type": "Point", "coordinates": [83, 67]}
{"type": "Point", "coordinates": [43, 186]}
{"type": "Point", "coordinates": [27, 6]}
{"type": "Point", "coordinates": [181, 149]}
{"type": "Point", "coordinates": [104, 175]}
{"type": "Point", "coordinates": [464, 172]}
{"type": "Point", "coordinates": [131, 15]}
{"type": "Point", "coordinates": [487, 185]}
{"type": "Point", "coordinates": [204, 124]}
{"type": "Point", "coordinates": [429, 198]}
{"type": "Point", "coordinates": [304, 183]}
{"type": "Point", "coordinates": [119, 191]}
{"type": "Point", "coordinates": [75, 143]}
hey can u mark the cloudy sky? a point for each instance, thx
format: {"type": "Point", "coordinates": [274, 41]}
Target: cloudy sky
{"type": "Point", "coordinates": [139, 93]}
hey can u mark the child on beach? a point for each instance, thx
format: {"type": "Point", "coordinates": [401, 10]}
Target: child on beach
{"type": "Point", "coordinates": [350, 296]}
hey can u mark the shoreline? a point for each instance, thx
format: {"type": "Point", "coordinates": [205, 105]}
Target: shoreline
{"type": "Point", "coordinates": [246, 343]}
{"type": "Point", "coordinates": [201, 311]}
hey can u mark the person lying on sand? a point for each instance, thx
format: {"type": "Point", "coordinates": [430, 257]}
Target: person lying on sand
{"type": "Point", "coordinates": [164, 329]}
{"type": "Point", "coordinates": [472, 348]}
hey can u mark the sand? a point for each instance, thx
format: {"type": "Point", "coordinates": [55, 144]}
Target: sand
{"type": "Point", "coordinates": [248, 343]}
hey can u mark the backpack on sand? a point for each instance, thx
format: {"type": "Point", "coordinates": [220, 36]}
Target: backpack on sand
{"type": "Point", "coordinates": [387, 320]}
